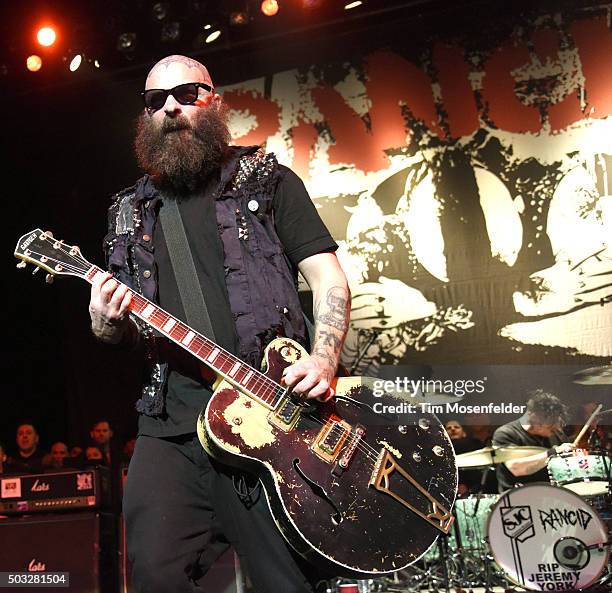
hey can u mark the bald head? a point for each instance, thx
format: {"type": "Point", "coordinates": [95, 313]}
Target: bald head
{"type": "Point", "coordinates": [174, 70]}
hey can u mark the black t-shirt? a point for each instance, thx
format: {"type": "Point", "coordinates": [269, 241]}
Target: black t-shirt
{"type": "Point", "coordinates": [511, 434]}
{"type": "Point", "coordinates": [302, 234]}
{"type": "Point", "coordinates": [24, 465]}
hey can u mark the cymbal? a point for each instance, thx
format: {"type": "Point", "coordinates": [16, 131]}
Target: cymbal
{"type": "Point", "coordinates": [594, 376]}
{"type": "Point", "coordinates": [487, 456]}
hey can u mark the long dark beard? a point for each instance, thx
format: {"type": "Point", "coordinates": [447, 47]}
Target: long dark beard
{"type": "Point", "coordinates": [180, 155]}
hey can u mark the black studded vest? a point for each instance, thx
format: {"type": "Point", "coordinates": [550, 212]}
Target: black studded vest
{"type": "Point", "coordinates": [261, 284]}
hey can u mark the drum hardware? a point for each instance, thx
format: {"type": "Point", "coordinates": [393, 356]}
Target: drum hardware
{"type": "Point", "coordinates": [599, 546]}
{"type": "Point", "coordinates": [571, 553]}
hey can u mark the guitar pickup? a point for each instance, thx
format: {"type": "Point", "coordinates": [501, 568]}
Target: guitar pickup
{"type": "Point", "coordinates": [330, 439]}
{"type": "Point", "coordinates": [429, 509]}
{"type": "Point", "coordinates": [286, 415]}
{"type": "Point", "coordinates": [348, 451]}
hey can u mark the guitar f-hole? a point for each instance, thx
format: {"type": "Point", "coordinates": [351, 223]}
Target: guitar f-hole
{"type": "Point", "coordinates": [336, 517]}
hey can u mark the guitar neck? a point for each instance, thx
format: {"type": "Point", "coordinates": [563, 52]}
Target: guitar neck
{"type": "Point", "coordinates": [225, 364]}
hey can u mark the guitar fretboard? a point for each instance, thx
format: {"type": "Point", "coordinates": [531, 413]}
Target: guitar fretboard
{"type": "Point", "coordinates": [233, 369]}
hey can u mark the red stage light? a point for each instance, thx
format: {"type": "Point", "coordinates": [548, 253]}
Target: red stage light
{"type": "Point", "coordinates": [269, 7]}
{"type": "Point", "coordinates": [46, 36]}
{"type": "Point", "coordinates": [34, 63]}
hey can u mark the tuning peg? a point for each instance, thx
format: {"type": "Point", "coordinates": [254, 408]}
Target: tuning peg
{"type": "Point", "coordinates": [49, 278]}
{"type": "Point", "coordinates": [49, 233]}
{"type": "Point", "coordinates": [35, 270]}
{"type": "Point", "coordinates": [21, 264]}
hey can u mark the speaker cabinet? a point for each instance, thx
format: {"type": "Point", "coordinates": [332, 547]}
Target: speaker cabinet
{"type": "Point", "coordinates": [81, 544]}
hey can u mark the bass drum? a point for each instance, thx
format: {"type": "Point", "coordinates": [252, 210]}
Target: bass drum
{"type": "Point", "coordinates": [546, 538]}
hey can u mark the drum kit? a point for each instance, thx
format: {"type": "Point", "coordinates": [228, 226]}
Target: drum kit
{"type": "Point", "coordinates": [553, 536]}
{"type": "Point", "coordinates": [537, 537]}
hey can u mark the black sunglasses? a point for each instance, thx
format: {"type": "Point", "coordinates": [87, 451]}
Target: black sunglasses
{"type": "Point", "coordinates": [185, 94]}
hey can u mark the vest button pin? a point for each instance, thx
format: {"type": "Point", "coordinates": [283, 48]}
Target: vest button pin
{"type": "Point", "coordinates": [147, 273]}
{"type": "Point", "coordinates": [253, 205]}
{"type": "Point", "coordinates": [146, 238]}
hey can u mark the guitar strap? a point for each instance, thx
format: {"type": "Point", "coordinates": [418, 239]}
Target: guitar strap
{"type": "Point", "coordinates": [184, 269]}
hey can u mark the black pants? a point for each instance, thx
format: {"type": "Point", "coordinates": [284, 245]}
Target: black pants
{"type": "Point", "coordinates": [182, 512]}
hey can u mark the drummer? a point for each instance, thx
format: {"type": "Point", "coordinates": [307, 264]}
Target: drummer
{"type": "Point", "coordinates": [540, 426]}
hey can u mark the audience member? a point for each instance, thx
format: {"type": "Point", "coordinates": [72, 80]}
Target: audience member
{"type": "Point", "coordinates": [76, 451]}
{"type": "Point", "coordinates": [469, 479]}
{"type": "Point", "coordinates": [3, 458]}
{"type": "Point", "coordinates": [59, 456]}
{"type": "Point", "coordinates": [478, 425]}
{"type": "Point", "coordinates": [101, 435]}
{"type": "Point", "coordinates": [29, 457]}
{"type": "Point", "coordinates": [94, 456]}
{"type": "Point", "coordinates": [128, 450]}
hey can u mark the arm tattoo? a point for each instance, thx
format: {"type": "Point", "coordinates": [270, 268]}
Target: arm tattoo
{"type": "Point", "coordinates": [331, 323]}
{"type": "Point", "coordinates": [330, 339]}
{"type": "Point", "coordinates": [335, 315]}
{"type": "Point", "coordinates": [320, 353]}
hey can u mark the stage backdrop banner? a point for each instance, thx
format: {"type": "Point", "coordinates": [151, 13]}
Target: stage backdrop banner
{"type": "Point", "coordinates": [467, 181]}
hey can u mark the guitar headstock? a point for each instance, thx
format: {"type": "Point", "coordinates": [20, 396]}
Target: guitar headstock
{"type": "Point", "coordinates": [40, 248]}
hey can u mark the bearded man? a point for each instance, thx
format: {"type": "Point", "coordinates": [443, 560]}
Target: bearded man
{"type": "Point", "coordinates": [250, 226]}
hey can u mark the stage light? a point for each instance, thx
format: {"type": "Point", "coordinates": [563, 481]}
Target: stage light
{"type": "Point", "coordinates": [159, 11]}
{"type": "Point", "coordinates": [75, 63]}
{"type": "Point", "coordinates": [126, 43]}
{"type": "Point", "coordinates": [213, 36]}
{"type": "Point", "coordinates": [171, 32]}
{"type": "Point", "coordinates": [96, 63]}
{"type": "Point", "coordinates": [206, 27]}
{"type": "Point", "coordinates": [353, 5]}
{"type": "Point", "coordinates": [34, 63]}
{"type": "Point", "coordinates": [239, 18]}
{"type": "Point", "coordinates": [269, 7]}
{"type": "Point", "coordinates": [46, 36]}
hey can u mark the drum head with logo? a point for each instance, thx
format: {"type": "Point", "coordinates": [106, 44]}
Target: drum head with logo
{"type": "Point", "coordinates": [543, 538]}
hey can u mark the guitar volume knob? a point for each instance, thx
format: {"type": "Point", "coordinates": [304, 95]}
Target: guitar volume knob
{"type": "Point", "coordinates": [424, 423]}
{"type": "Point", "coordinates": [437, 450]}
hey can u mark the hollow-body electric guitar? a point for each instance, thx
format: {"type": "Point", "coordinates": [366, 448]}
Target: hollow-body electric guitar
{"type": "Point", "coordinates": [361, 485]}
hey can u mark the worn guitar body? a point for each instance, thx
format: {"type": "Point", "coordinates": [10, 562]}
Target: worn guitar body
{"type": "Point", "coordinates": [354, 486]}
{"type": "Point", "coordinates": [337, 475]}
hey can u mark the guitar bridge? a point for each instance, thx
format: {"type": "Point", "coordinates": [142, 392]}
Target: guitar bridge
{"type": "Point", "coordinates": [435, 513]}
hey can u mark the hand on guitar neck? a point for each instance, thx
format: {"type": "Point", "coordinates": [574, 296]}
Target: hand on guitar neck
{"type": "Point", "coordinates": [109, 311]}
